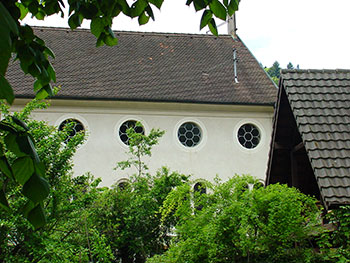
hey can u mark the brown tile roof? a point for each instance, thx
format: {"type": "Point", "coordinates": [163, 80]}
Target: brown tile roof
{"type": "Point", "coordinates": [151, 67]}
{"type": "Point", "coordinates": [320, 101]}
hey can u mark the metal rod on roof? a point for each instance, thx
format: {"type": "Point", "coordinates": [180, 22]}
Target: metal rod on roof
{"type": "Point", "coordinates": [235, 64]}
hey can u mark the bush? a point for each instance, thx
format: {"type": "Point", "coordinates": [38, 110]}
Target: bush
{"type": "Point", "coordinates": [240, 224]}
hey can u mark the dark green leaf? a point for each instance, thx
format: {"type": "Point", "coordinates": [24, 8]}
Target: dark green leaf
{"type": "Point", "coordinates": [3, 201]}
{"type": "Point", "coordinates": [149, 12]}
{"type": "Point", "coordinates": [188, 2]}
{"type": "Point", "coordinates": [212, 27]}
{"type": "Point", "coordinates": [124, 7]}
{"type": "Point", "coordinates": [39, 168]}
{"type": "Point", "coordinates": [27, 33]}
{"type": "Point", "coordinates": [143, 19]}
{"type": "Point", "coordinates": [36, 216]}
{"type": "Point", "coordinates": [6, 18]}
{"type": "Point", "coordinates": [36, 188]}
{"type": "Point", "coordinates": [5, 167]}
{"type": "Point", "coordinates": [5, 126]}
{"type": "Point", "coordinates": [21, 145]}
{"type": "Point", "coordinates": [52, 73]}
{"type": "Point", "coordinates": [97, 26]}
{"type": "Point", "coordinates": [20, 123]}
{"type": "Point", "coordinates": [157, 3]}
{"type": "Point", "coordinates": [49, 52]}
{"type": "Point", "coordinates": [207, 15]}
{"type": "Point", "coordinates": [74, 21]}
{"type": "Point", "coordinates": [23, 169]}
{"type": "Point", "coordinates": [34, 70]}
{"type": "Point", "coordinates": [199, 4]}
{"type": "Point", "coordinates": [218, 9]}
{"type": "Point", "coordinates": [233, 7]}
{"type": "Point", "coordinates": [6, 91]}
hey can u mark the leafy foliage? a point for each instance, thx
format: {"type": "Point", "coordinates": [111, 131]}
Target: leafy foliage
{"type": "Point", "coordinates": [129, 217]}
{"type": "Point", "coordinates": [34, 58]}
{"type": "Point", "coordinates": [242, 222]}
{"type": "Point", "coordinates": [140, 145]}
{"type": "Point", "coordinates": [68, 235]}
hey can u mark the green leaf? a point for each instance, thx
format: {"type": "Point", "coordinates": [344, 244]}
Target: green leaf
{"type": "Point", "coordinates": [51, 72]}
{"type": "Point", "coordinates": [23, 169]}
{"type": "Point", "coordinates": [212, 27]}
{"type": "Point", "coordinates": [37, 85]}
{"type": "Point", "coordinates": [207, 15]}
{"type": "Point", "coordinates": [143, 19]}
{"type": "Point", "coordinates": [218, 9]}
{"type": "Point", "coordinates": [3, 201]}
{"type": "Point", "coordinates": [6, 91]}
{"type": "Point", "coordinates": [97, 26]}
{"type": "Point", "coordinates": [24, 11]}
{"type": "Point", "coordinates": [74, 21]}
{"type": "Point", "coordinates": [110, 39]}
{"type": "Point", "coordinates": [40, 15]}
{"type": "Point", "coordinates": [149, 12]}
{"type": "Point", "coordinates": [21, 145]}
{"type": "Point", "coordinates": [42, 94]}
{"type": "Point", "coordinates": [138, 7]}
{"type": "Point", "coordinates": [6, 18]}
{"type": "Point", "coordinates": [233, 7]}
{"type": "Point", "coordinates": [49, 52]}
{"type": "Point", "coordinates": [37, 217]}
{"type": "Point", "coordinates": [20, 123]}
{"type": "Point", "coordinates": [157, 3]}
{"type": "Point", "coordinates": [39, 168]}
{"type": "Point", "coordinates": [5, 126]}
{"type": "Point", "coordinates": [199, 4]}
{"type": "Point", "coordinates": [5, 167]}
{"type": "Point", "coordinates": [36, 188]}
{"type": "Point", "coordinates": [188, 2]}
{"type": "Point", "coordinates": [35, 214]}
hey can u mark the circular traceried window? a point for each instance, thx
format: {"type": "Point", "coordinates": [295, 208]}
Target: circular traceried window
{"type": "Point", "coordinates": [189, 134]}
{"type": "Point", "coordinates": [127, 125]}
{"type": "Point", "coordinates": [248, 136]}
{"type": "Point", "coordinates": [74, 126]}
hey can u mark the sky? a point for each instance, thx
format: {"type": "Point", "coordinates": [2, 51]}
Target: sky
{"type": "Point", "coordinates": [313, 34]}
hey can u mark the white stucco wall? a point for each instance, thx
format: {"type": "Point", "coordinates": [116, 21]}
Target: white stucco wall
{"type": "Point", "coordinates": [219, 151]}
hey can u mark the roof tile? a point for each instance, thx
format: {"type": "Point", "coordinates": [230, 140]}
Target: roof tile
{"type": "Point", "coordinates": [151, 67]}
{"type": "Point", "coordinates": [320, 101]}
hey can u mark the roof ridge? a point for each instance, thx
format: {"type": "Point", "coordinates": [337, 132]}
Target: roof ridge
{"type": "Point", "coordinates": [168, 34]}
{"type": "Point", "coordinates": [337, 70]}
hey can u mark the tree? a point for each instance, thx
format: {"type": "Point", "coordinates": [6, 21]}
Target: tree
{"type": "Point", "coordinates": [290, 66]}
{"type": "Point", "coordinates": [241, 221]}
{"type": "Point", "coordinates": [129, 216]}
{"type": "Point", "coordinates": [274, 71]}
{"type": "Point", "coordinates": [65, 235]}
{"type": "Point", "coordinates": [33, 55]}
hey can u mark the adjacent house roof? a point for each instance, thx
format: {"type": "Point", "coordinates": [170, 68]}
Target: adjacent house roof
{"type": "Point", "coordinates": [317, 104]}
{"type": "Point", "coordinates": [151, 67]}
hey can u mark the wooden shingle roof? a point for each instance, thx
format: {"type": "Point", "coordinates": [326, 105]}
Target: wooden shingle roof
{"type": "Point", "coordinates": [151, 67]}
{"type": "Point", "coordinates": [320, 103]}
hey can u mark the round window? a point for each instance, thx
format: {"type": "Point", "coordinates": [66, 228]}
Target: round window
{"type": "Point", "coordinates": [248, 136]}
{"type": "Point", "coordinates": [73, 126]}
{"type": "Point", "coordinates": [189, 134]}
{"type": "Point", "coordinates": [123, 135]}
